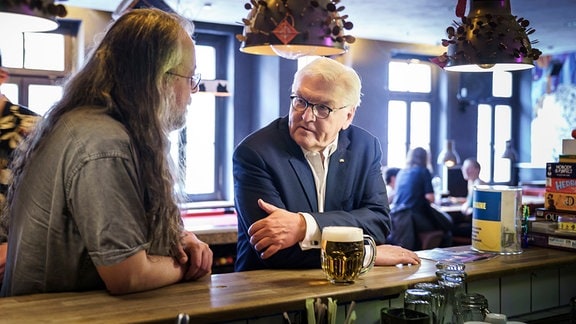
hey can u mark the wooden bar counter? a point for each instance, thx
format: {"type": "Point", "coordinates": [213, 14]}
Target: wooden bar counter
{"type": "Point", "coordinates": [252, 294]}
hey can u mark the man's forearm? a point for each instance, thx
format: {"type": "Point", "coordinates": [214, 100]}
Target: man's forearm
{"type": "Point", "coordinates": [141, 272]}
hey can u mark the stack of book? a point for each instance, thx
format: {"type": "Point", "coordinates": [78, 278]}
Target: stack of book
{"type": "Point", "coordinates": [555, 224]}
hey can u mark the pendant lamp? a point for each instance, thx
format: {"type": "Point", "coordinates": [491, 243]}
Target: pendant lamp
{"type": "Point", "coordinates": [295, 28]}
{"type": "Point", "coordinates": [448, 157]}
{"type": "Point", "coordinates": [30, 15]}
{"type": "Point", "coordinates": [510, 152]}
{"type": "Point", "coordinates": [489, 39]}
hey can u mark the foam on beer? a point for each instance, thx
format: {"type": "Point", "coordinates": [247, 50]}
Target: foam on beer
{"type": "Point", "coordinates": [342, 234]}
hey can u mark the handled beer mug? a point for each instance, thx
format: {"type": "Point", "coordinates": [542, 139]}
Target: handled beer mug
{"type": "Point", "coordinates": [346, 253]}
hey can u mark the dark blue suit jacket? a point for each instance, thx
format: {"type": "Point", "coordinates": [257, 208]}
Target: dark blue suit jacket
{"type": "Point", "coordinates": [268, 164]}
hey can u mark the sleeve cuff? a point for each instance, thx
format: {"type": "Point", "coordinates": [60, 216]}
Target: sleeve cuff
{"type": "Point", "coordinates": [313, 234]}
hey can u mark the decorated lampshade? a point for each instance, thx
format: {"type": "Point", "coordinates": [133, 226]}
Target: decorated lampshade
{"type": "Point", "coordinates": [295, 28]}
{"type": "Point", "coordinates": [30, 15]}
{"type": "Point", "coordinates": [490, 38]}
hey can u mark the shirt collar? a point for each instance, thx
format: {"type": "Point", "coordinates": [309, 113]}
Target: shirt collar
{"type": "Point", "coordinates": [327, 151]}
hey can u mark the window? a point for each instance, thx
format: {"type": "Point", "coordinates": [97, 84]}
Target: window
{"type": "Point", "coordinates": [44, 59]}
{"type": "Point", "coordinates": [397, 135]}
{"type": "Point", "coordinates": [199, 136]}
{"type": "Point", "coordinates": [409, 110]}
{"type": "Point", "coordinates": [411, 76]}
{"type": "Point", "coordinates": [201, 147]}
{"type": "Point", "coordinates": [502, 84]}
{"type": "Point", "coordinates": [494, 128]}
{"type": "Point", "coordinates": [37, 63]}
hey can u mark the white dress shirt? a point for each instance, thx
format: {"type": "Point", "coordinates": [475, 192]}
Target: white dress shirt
{"type": "Point", "coordinates": [318, 161]}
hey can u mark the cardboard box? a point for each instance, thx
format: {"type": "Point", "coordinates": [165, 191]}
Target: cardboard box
{"type": "Point", "coordinates": [569, 146]}
{"type": "Point", "coordinates": [560, 201]}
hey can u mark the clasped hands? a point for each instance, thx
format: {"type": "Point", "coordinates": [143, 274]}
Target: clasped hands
{"type": "Point", "coordinates": [194, 255]}
{"type": "Point", "coordinates": [282, 229]}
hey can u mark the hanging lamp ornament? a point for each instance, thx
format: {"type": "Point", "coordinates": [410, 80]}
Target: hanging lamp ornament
{"type": "Point", "coordinates": [30, 15]}
{"type": "Point", "coordinates": [489, 39]}
{"type": "Point", "coordinates": [295, 28]}
{"type": "Point", "coordinates": [448, 156]}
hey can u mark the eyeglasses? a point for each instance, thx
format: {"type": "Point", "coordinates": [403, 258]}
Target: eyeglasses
{"type": "Point", "coordinates": [319, 110]}
{"type": "Point", "coordinates": [194, 80]}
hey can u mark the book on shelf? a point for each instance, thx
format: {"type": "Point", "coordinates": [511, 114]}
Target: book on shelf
{"type": "Point", "coordinates": [560, 201]}
{"type": "Point", "coordinates": [542, 226]}
{"type": "Point", "coordinates": [561, 185]}
{"type": "Point", "coordinates": [542, 213]}
{"type": "Point", "coordinates": [556, 241]}
{"type": "Point", "coordinates": [567, 158]}
{"type": "Point", "coordinates": [564, 226]}
{"type": "Point", "coordinates": [560, 170]}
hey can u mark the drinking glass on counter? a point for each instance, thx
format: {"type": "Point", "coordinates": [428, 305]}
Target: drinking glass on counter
{"type": "Point", "coordinates": [419, 300]}
{"type": "Point", "coordinates": [438, 300]}
{"type": "Point", "coordinates": [346, 253]}
{"type": "Point", "coordinates": [471, 307]}
{"type": "Point", "coordinates": [451, 277]}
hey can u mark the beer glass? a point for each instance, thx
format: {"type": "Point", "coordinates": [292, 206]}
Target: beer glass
{"type": "Point", "coordinates": [345, 254]}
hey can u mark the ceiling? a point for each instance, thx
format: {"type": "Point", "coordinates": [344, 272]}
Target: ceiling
{"type": "Point", "coordinates": [409, 21]}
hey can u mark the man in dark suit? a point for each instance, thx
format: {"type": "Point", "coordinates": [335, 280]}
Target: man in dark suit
{"type": "Point", "coordinates": [309, 170]}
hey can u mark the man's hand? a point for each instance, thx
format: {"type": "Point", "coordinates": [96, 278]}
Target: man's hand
{"type": "Point", "coordinates": [279, 230]}
{"type": "Point", "coordinates": [387, 255]}
{"type": "Point", "coordinates": [196, 255]}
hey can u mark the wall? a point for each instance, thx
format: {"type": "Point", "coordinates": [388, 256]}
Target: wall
{"type": "Point", "coordinates": [261, 87]}
{"type": "Point", "coordinates": [94, 23]}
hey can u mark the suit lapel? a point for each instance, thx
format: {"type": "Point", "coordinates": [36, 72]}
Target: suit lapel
{"type": "Point", "coordinates": [306, 179]}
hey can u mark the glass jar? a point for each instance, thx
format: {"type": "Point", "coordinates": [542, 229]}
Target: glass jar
{"type": "Point", "coordinates": [471, 307]}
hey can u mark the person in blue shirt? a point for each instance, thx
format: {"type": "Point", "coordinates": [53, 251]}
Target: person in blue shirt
{"type": "Point", "coordinates": [412, 213]}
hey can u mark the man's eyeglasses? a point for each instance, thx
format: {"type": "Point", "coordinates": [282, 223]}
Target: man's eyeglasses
{"type": "Point", "coordinates": [319, 110]}
{"type": "Point", "coordinates": [194, 80]}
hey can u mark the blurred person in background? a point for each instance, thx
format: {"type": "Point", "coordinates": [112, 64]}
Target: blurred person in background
{"type": "Point", "coordinates": [471, 173]}
{"type": "Point", "coordinates": [412, 212]}
{"type": "Point", "coordinates": [16, 122]}
{"type": "Point", "coordinates": [390, 178]}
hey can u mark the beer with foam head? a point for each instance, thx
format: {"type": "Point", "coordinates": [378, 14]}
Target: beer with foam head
{"type": "Point", "coordinates": [344, 253]}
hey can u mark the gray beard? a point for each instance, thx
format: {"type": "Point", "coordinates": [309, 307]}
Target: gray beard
{"type": "Point", "coordinates": [176, 121]}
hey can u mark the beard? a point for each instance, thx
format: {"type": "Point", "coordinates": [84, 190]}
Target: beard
{"type": "Point", "coordinates": [173, 115]}
{"type": "Point", "coordinates": [176, 120]}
